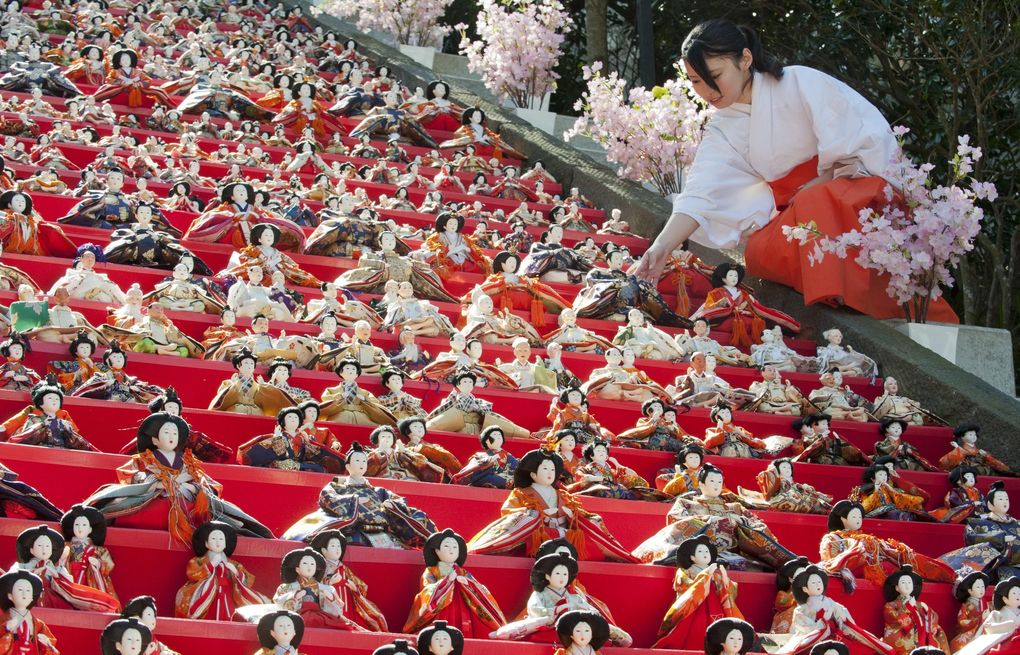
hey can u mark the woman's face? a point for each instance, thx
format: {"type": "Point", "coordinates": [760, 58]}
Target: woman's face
{"type": "Point", "coordinates": [730, 77]}
{"type": "Point", "coordinates": [385, 440]}
{"type": "Point", "coordinates": [732, 278]}
{"type": "Point", "coordinates": [815, 585]}
{"type": "Point", "coordinates": [894, 430]}
{"type": "Point", "coordinates": [148, 618]}
{"type": "Point", "coordinates": [130, 642]}
{"type": "Point", "coordinates": [81, 528]}
{"type": "Point", "coordinates": [334, 550]}
{"type": "Point", "coordinates": [441, 643]}
{"type": "Point", "coordinates": [692, 460]}
{"type": "Point", "coordinates": [734, 642]}
{"type": "Point", "coordinates": [16, 352]}
{"type": "Point", "coordinates": [116, 360]}
{"type": "Point", "coordinates": [881, 477]}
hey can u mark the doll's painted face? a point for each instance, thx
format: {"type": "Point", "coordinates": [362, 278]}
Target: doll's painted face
{"type": "Point", "coordinates": [613, 357]}
{"type": "Point", "coordinates": [349, 372]}
{"type": "Point", "coordinates": [785, 470]}
{"type": "Point", "coordinates": [969, 437]}
{"type": "Point", "coordinates": [559, 577]}
{"type": "Point", "coordinates": [853, 520]}
{"type": "Point", "coordinates": [566, 444]}
{"type": "Point", "coordinates": [441, 643]}
{"type": "Point", "coordinates": [545, 473]}
{"type": "Point", "coordinates": [15, 351]}
{"type": "Point", "coordinates": [405, 290]}
{"type": "Point", "coordinates": [42, 548]}
{"type": "Point", "coordinates": [636, 317]}
{"type": "Point", "coordinates": [239, 195]}
{"type": "Point", "coordinates": [130, 642]}
{"type": "Point", "coordinates": [228, 317]}
{"type": "Point", "coordinates": [999, 502]}
{"type": "Point", "coordinates": [692, 461]}
{"type": "Point", "coordinates": [724, 415]}
{"type": "Point", "coordinates": [168, 437]}
{"type": "Point", "coordinates": [116, 360]}
{"type": "Point", "coordinates": [822, 426]}
{"type": "Point", "coordinates": [894, 431]}
{"type": "Point", "coordinates": [260, 325]}
{"type": "Point", "coordinates": [246, 367]}
{"type": "Point", "coordinates": [568, 317]}
{"type": "Point", "coordinates": [328, 326]}
{"type": "Point", "coordinates": [465, 385]}
{"type": "Point", "coordinates": [581, 635]}
{"type": "Point", "coordinates": [835, 337]}
{"type": "Point", "coordinates": [768, 373]}
{"type": "Point", "coordinates": [1012, 599]}
{"type": "Point", "coordinates": [600, 455]}
{"type": "Point", "coordinates": [385, 440]}
{"type": "Point", "coordinates": [967, 480]}
{"type": "Point", "coordinates": [905, 585]}
{"type": "Point", "coordinates": [977, 589]}
{"type": "Point", "coordinates": [266, 238]}
{"type": "Point", "coordinates": [448, 551]}
{"type": "Point", "coordinates": [555, 234]}
{"type": "Point", "coordinates": [892, 387]}
{"type": "Point", "coordinates": [357, 464]}
{"type": "Point", "coordinates": [115, 181]}
{"type": "Point", "coordinates": [306, 567]}
{"type": "Point", "coordinates": [216, 542]}
{"type": "Point", "coordinates": [733, 643]}
{"type": "Point", "coordinates": [334, 550]}
{"type": "Point", "coordinates": [51, 403]}
{"type": "Point", "coordinates": [815, 585]}
{"type": "Point", "coordinates": [732, 278]}
{"type": "Point", "coordinates": [702, 556]}
{"type": "Point", "coordinates": [283, 630]}
{"type": "Point", "coordinates": [416, 431]}
{"type": "Point", "coordinates": [362, 330]}
{"type": "Point", "coordinates": [291, 422]}
{"type": "Point", "coordinates": [143, 214]}
{"type": "Point", "coordinates": [713, 485]}
{"type": "Point", "coordinates": [81, 528]}
{"type": "Point", "coordinates": [881, 477]}
{"type": "Point", "coordinates": [21, 594]}
{"type": "Point", "coordinates": [495, 440]}
{"type": "Point", "coordinates": [148, 618]}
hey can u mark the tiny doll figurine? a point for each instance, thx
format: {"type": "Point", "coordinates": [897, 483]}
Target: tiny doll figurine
{"type": "Point", "coordinates": [991, 538]}
{"type": "Point", "coordinates": [280, 633]}
{"type": "Point", "coordinates": [360, 348]}
{"type": "Point", "coordinates": [729, 636]}
{"type": "Point", "coordinates": [774, 396]}
{"type": "Point", "coordinates": [492, 467]}
{"type": "Point", "coordinates": [440, 638]}
{"type": "Point", "coordinates": [963, 500]}
{"type": "Point", "coordinates": [125, 637]}
{"type": "Point", "coordinates": [909, 622]}
{"type": "Point", "coordinates": [143, 608]}
{"type": "Point", "coordinates": [244, 394]}
{"type": "Point", "coordinates": [1000, 630]}
{"type": "Point", "coordinates": [83, 283]}
{"type": "Point", "coordinates": [72, 373]}
{"type": "Point", "coordinates": [279, 371]}
{"type": "Point", "coordinates": [23, 231]}
{"type": "Point", "coordinates": [114, 384]}
{"type": "Point", "coordinates": [603, 476]}
{"type": "Point", "coordinates": [536, 505]}
{"type": "Point", "coordinates": [290, 448]}
{"type": "Point", "coordinates": [849, 362]}
{"type": "Point", "coordinates": [350, 589]}
{"type": "Point", "coordinates": [892, 444]}
{"type": "Point", "coordinates": [232, 220]}
{"type": "Point", "coordinates": [569, 411]}
{"type": "Point", "coordinates": [39, 551]}
{"type": "Point", "coordinates": [581, 633]}
{"type": "Point", "coordinates": [110, 208]}
{"type": "Point", "coordinates": [389, 459]}
{"type": "Point", "coordinates": [729, 300]}
{"type": "Point", "coordinates": [837, 401]}
{"type": "Point", "coordinates": [14, 375]}
{"type": "Point", "coordinates": [648, 341]}
{"type": "Point", "coordinates": [729, 440]}
{"type": "Point", "coordinates": [785, 603]}
{"type": "Point", "coordinates": [773, 351]}
{"type": "Point", "coordinates": [348, 403]}
{"type": "Point", "coordinates": [23, 633]}
{"type": "Point", "coordinates": [154, 333]}
{"type": "Point", "coordinates": [375, 269]}
{"type": "Point", "coordinates": [700, 386]}
{"type": "Point", "coordinates": [827, 447]}
{"type": "Point", "coordinates": [414, 431]}
{"type": "Point", "coordinates": [164, 468]}
{"type": "Point", "coordinates": [483, 322]}
{"type": "Point", "coordinates": [367, 515]}
{"type": "Point", "coordinates": [969, 590]}
{"type": "Point", "coordinates": [657, 429]}
{"type": "Point", "coordinates": [450, 251]}
{"type": "Point", "coordinates": [465, 355]}
{"type": "Point", "coordinates": [474, 131]}
{"type": "Point", "coordinates": [85, 556]}
{"type": "Point", "coordinates": [217, 585]}
{"type": "Point", "coordinates": [683, 477]}
{"type": "Point", "coordinates": [450, 593]}
{"type": "Point", "coordinates": [702, 342]}
{"type": "Point", "coordinates": [12, 277]}
{"type": "Point", "coordinates": [399, 403]}
{"type": "Point", "coordinates": [303, 590]}
{"type": "Point", "coordinates": [612, 293]}
{"type": "Point", "coordinates": [621, 379]}
{"type": "Point", "coordinates": [511, 291]}
{"type": "Point", "coordinates": [564, 443]}
{"type": "Point", "coordinates": [965, 452]}
{"type": "Point", "coordinates": [200, 444]}
{"type": "Point", "coordinates": [462, 412]}
{"type": "Point", "coordinates": [554, 594]}
{"type": "Point", "coordinates": [703, 591]}
{"type": "Point", "coordinates": [574, 338]}
{"type": "Point", "coordinates": [45, 422]}
{"type": "Point", "coordinates": [779, 493]}
{"type": "Point", "coordinates": [881, 498]}
{"type": "Point", "coordinates": [419, 316]}
{"type": "Point", "coordinates": [262, 251]}
{"type": "Point", "coordinates": [892, 406]}
{"type": "Point", "coordinates": [550, 261]}
{"type": "Point", "coordinates": [182, 293]}
{"type": "Point", "coordinates": [847, 551]}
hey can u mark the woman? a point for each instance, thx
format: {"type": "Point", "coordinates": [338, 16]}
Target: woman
{"type": "Point", "coordinates": [815, 141]}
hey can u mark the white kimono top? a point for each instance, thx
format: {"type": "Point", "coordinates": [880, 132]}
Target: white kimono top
{"type": "Point", "coordinates": [804, 114]}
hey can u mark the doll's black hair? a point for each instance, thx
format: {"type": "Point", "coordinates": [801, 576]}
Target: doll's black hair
{"type": "Point", "coordinates": [823, 647]}
{"type": "Point", "coordinates": [545, 565]}
{"type": "Point", "coordinates": [424, 640]}
{"type": "Point", "coordinates": [95, 518]}
{"type": "Point", "coordinates": [889, 586]}
{"type": "Point", "coordinates": [151, 425]}
{"type": "Point", "coordinates": [717, 632]}
{"type": "Point", "coordinates": [840, 511]}
{"type": "Point", "coordinates": [436, 539]}
{"type": "Point", "coordinates": [784, 576]}
{"type": "Point", "coordinates": [114, 632]}
{"type": "Point", "coordinates": [291, 560]}
{"type": "Point", "coordinates": [685, 551]}
{"type": "Point", "coordinates": [488, 435]}
{"type": "Point", "coordinates": [281, 416]}
{"type": "Point", "coordinates": [800, 580]}
{"type": "Point", "coordinates": [137, 606]}
{"type": "Point", "coordinates": [321, 540]}
{"type": "Point", "coordinates": [202, 532]}
{"type": "Point", "coordinates": [1002, 590]}
{"type": "Point", "coordinates": [267, 622]}
{"type": "Point", "coordinates": [530, 463]}
{"type": "Point", "coordinates": [7, 581]}
{"type": "Point", "coordinates": [708, 469]}
{"type": "Point", "coordinates": [568, 621]}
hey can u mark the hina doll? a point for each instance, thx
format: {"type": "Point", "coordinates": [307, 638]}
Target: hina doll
{"type": "Point", "coordinates": [647, 341]}
{"type": "Point", "coordinates": [702, 342]}
{"type": "Point", "coordinates": [684, 476]}
{"type": "Point", "coordinates": [818, 618]}
{"type": "Point", "coordinates": [289, 448]}
{"type": "Point", "coordinates": [990, 536]}
{"type": "Point", "coordinates": [892, 445]}
{"type": "Point", "coordinates": [483, 323]}
{"type": "Point", "coordinates": [418, 316]}
{"type": "Point", "coordinates": [462, 412]}
{"type": "Point", "coordinates": [217, 585]}
{"type": "Point", "coordinates": [242, 393]}
{"type": "Point", "coordinates": [389, 459]}
{"type": "Point", "coordinates": [408, 354]}
{"type": "Point", "coordinates": [773, 351]}
{"type": "Point", "coordinates": [83, 283]}
{"type": "Point", "coordinates": [39, 551]}
{"type": "Point", "coordinates": [785, 603]}
{"type": "Point", "coordinates": [881, 498]}
{"type": "Point", "coordinates": [85, 556]}
{"type": "Point", "coordinates": [699, 386]}
{"type": "Point", "coordinates": [909, 622]}
{"type": "Point", "coordinates": [45, 422]}
{"type": "Point", "coordinates": [774, 396]}
{"type": "Point", "coordinates": [351, 591]}
{"type": "Point", "coordinates": [358, 347]}
{"type": "Point", "coordinates": [262, 251]}
{"type": "Point", "coordinates": [827, 447]}
{"type": "Point", "coordinates": [399, 403]}
{"type": "Point", "coordinates": [23, 231]}
{"type": "Point", "coordinates": [491, 467]}
{"type": "Point", "coordinates": [449, 592]}
{"type": "Point", "coordinates": [473, 130]}
{"type": "Point", "coordinates": [847, 550]}
{"type": "Point", "coordinates": [449, 251]}
{"type": "Point", "coordinates": [963, 499]}
{"type": "Point", "coordinates": [113, 383]}
{"type": "Point", "coordinates": [1000, 630]}
{"type": "Point", "coordinates": [532, 376]}
{"type": "Point", "coordinates": [125, 637]}
{"type": "Point", "coordinates": [393, 121]}
{"type": "Point", "coordinates": [440, 638]}
{"type": "Point", "coordinates": [569, 411]}
{"type": "Point", "coordinates": [305, 111]}
{"type": "Point", "coordinates": [155, 334]}
{"type": "Point", "coordinates": [216, 335]}
{"type": "Point", "coordinates": [742, 536]}
{"type": "Point", "coordinates": [574, 338]}
{"type": "Point", "coordinates": [182, 293]}
{"type": "Point", "coordinates": [780, 493]}
{"type": "Point", "coordinates": [621, 379]}
{"type": "Point", "coordinates": [232, 220]}
{"type": "Point", "coordinates": [143, 608]}
{"type": "Point", "coordinates": [965, 452]}
{"type": "Point", "coordinates": [511, 291]}
{"type": "Point", "coordinates": [280, 371]}
{"type": "Point", "coordinates": [551, 261]}
{"type": "Point", "coordinates": [124, 76]}
{"type": "Point", "coordinates": [414, 431]}
{"type": "Point", "coordinates": [20, 76]}
{"type": "Point", "coordinates": [704, 592]}
{"type": "Point", "coordinates": [438, 112]}
{"type": "Point", "coordinates": [366, 515]}
{"type": "Point", "coordinates": [280, 633]}
{"type": "Point", "coordinates": [612, 293]}
{"type": "Point", "coordinates": [147, 243]}
{"type": "Point", "coordinates": [164, 476]}
{"type": "Point", "coordinates": [537, 510]}
{"type": "Point", "coordinates": [602, 476]}
{"type": "Point", "coordinates": [838, 402]}
{"type": "Point", "coordinates": [23, 634]}
{"type": "Point", "coordinates": [12, 277]}
{"type": "Point", "coordinates": [969, 590]}
{"type": "Point", "coordinates": [564, 444]}
{"type": "Point", "coordinates": [348, 403]}
{"type": "Point", "coordinates": [554, 594]}
{"type": "Point", "coordinates": [849, 362]}
{"type": "Point", "coordinates": [728, 300]}
{"type": "Point", "coordinates": [729, 440]}
{"type": "Point", "coordinates": [109, 208]}
{"type": "Point", "coordinates": [894, 407]}
{"type": "Point", "coordinates": [728, 636]}
{"type": "Point", "coordinates": [14, 375]}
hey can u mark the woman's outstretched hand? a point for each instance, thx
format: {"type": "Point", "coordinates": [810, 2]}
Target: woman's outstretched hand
{"type": "Point", "coordinates": [649, 267]}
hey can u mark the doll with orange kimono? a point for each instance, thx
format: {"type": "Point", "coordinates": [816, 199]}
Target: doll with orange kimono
{"type": "Point", "coordinates": [909, 622]}
{"type": "Point", "coordinates": [45, 422]}
{"type": "Point", "coordinates": [25, 634]}
{"type": "Point", "coordinates": [602, 476]}
{"type": "Point", "coordinates": [350, 589]}
{"type": "Point", "coordinates": [969, 589]}
{"type": "Point", "coordinates": [492, 467]}
{"type": "Point", "coordinates": [85, 556]}
{"type": "Point", "coordinates": [569, 411]}
{"type": "Point", "coordinates": [511, 291]}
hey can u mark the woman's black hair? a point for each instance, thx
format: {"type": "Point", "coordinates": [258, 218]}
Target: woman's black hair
{"type": "Point", "coordinates": [1002, 590]}
{"type": "Point", "coordinates": [717, 632]}
{"type": "Point", "coordinates": [243, 354]}
{"type": "Point", "coordinates": [646, 407]}
{"type": "Point", "coordinates": [550, 546]}
{"type": "Point", "coordinates": [202, 532]}
{"type": "Point", "coordinates": [23, 544]}
{"type": "Point", "coordinates": [347, 361]}
{"type": "Point", "coordinates": [15, 339]}
{"type": "Point", "coordinates": [685, 551]}
{"type": "Point", "coordinates": [889, 586]}
{"type": "Point", "coordinates": [884, 425]}
{"type": "Point", "coordinates": [722, 38]}
{"type": "Point", "coordinates": [530, 463]}
{"type": "Point", "coordinates": [719, 274]}
{"type": "Point", "coordinates": [488, 435]}
{"type": "Point", "coordinates": [690, 449]}
{"type": "Point", "coordinates": [114, 349]}
{"type": "Point", "coordinates": [956, 475]}
{"type": "Point", "coordinates": [840, 511]}
{"type": "Point", "coordinates": [95, 518]}
{"type": "Point", "coordinates": [568, 621]}
{"type": "Point", "coordinates": [565, 395]}
{"type": "Point", "coordinates": [309, 404]}
{"type": "Point", "coordinates": [497, 262]}
{"type": "Point", "coordinates": [962, 586]}
{"type": "Point", "coordinates": [405, 425]}
{"type": "Point", "coordinates": [960, 429]}
{"type": "Point", "coordinates": [435, 540]}
{"type": "Point", "coordinates": [7, 581]}
{"type": "Point", "coordinates": [136, 606]}
{"type": "Point", "coordinates": [46, 387]}
{"type": "Point", "coordinates": [546, 564]}
{"type": "Point", "coordinates": [114, 632]}
{"type": "Point", "coordinates": [718, 408]}
{"type": "Point", "coordinates": [390, 372]}
{"type": "Point", "coordinates": [282, 415]}
{"type": "Point", "coordinates": [82, 338]}
{"type": "Point", "coordinates": [424, 641]}
{"type": "Point", "coordinates": [823, 647]}
{"type": "Point", "coordinates": [398, 647]}
{"type": "Point", "coordinates": [464, 375]}
{"type": "Point", "coordinates": [291, 560]}
{"type": "Point", "coordinates": [266, 628]}
{"type": "Point", "coordinates": [801, 579]}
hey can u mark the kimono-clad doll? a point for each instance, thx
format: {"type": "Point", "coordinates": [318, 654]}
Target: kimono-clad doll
{"type": "Point", "coordinates": [154, 334]}
{"type": "Point", "coordinates": [602, 476]}
{"type": "Point", "coordinates": [647, 341]}
{"type": "Point", "coordinates": [400, 403]}
{"type": "Point", "coordinates": [22, 75]}
{"type": "Point", "coordinates": [611, 293]}
{"type": "Point", "coordinates": [448, 250]}
{"type": "Point", "coordinates": [39, 551]}
{"type": "Point", "coordinates": [289, 448]}
{"type": "Point", "coordinates": [14, 375]}
{"type": "Point", "coordinates": [492, 467]}
{"type": "Point", "coordinates": [891, 405]}
{"type": "Point", "coordinates": [89, 67]}
{"type": "Point", "coordinates": [773, 351]}
{"type": "Point", "coordinates": [881, 498]}
{"type": "Point", "coordinates": [703, 592]}
{"type": "Point", "coordinates": [146, 242]}
{"type": "Point", "coordinates": [280, 371]}
{"type": "Point", "coordinates": [200, 444]}
{"type": "Point", "coordinates": [465, 355]}
{"type": "Point", "coordinates": [569, 411]}
{"type": "Point", "coordinates": [350, 589]}
{"type": "Point", "coordinates": [12, 277]}
{"type": "Point", "coordinates": [280, 633]}
{"type": "Point", "coordinates": [45, 422]}
{"type": "Point", "coordinates": [143, 608]}
{"type": "Point", "coordinates": [305, 111]}
{"type": "Point", "coordinates": [109, 209]}
{"type": "Point", "coordinates": [849, 552]}
{"type": "Point", "coordinates": [405, 312]}
{"type": "Point", "coordinates": [462, 412]}
{"type": "Point", "coordinates": [728, 300]}
{"type": "Point", "coordinates": [965, 452]}
{"type": "Point", "coordinates": [375, 269]}
{"type": "Point", "coordinates": [23, 501]}
{"type": "Point", "coordinates": [1000, 630]}
{"type": "Point", "coordinates": [262, 251]}
{"type": "Point", "coordinates": [164, 476]}
{"type": "Point", "coordinates": [232, 220]}
{"type": "Point", "coordinates": [440, 638]}
{"type": "Point", "coordinates": [414, 431]}
{"type": "Point", "coordinates": [217, 585]}
{"type": "Point", "coordinates": [84, 283]}
{"type": "Point", "coordinates": [621, 379]}
{"type": "Point", "coordinates": [182, 292]}
{"type": "Point", "coordinates": [909, 622]}
{"type": "Point", "coordinates": [836, 399]}
{"type": "Point", "coordinates": [409, 355]}
{"type": "Point", "coordinates": [511, 291]}
{"type": "Point", "coordinates": [23, 634]}
{"type": "Point", "coordinates": [729, 440]}
{"type": "Point", "coordinates": [23, 231]}
{"type": "Point", "coordinates": [366, 515]}
{"type": "Point", "coordinates": [684, 476]}
{"type": "Point", "coordinates": [969, 589]}
{"type": "Point", "coordinates": [773, 395]}
{"type": "Point", "coordinates": [827, 447]}
{"type": "Point", "coordinates": [538, 374]}
{"type": "Point", "coordinates": [389, 459]}
{"type": "Point", "coordinates": [963, 499]}
{"type": "Point", "coordinates": [449, 592]}
{"type": "Point", "coordinates": [728, 636]}
{"type": "Point", "coordinates": [243, 393]}
{"type": "Point", "coordinates": [473, 130]}
{"type": "Point", "coordinates": [581, 633]}
{"type": "Point", "coordinates": [537, 509]}
{"type": "Point", "coordinates": [348, 403]}
{"type": "Point", "coordinates": [785, 603]}
{"type": "Point", "coordinates": [992, 538]}
{"type": "Point", "coordinates": [393, 121]}
{"type": "Point", "coordinates": [114, 383]}
{"type": "Point", "coordinates": [818, 618]}
{"type": "Point", "coordinates": [564, 444]}
{"type": "Point", "coordinates": [125, 76]}
{"type": "Point", "coordinates": [657, 429]}
{"type": "Point", "coordinates": [125, 637]}
{"type": "Point", "coordinates": [85, 556]}
{"type": "Point", "coordinates": [553, 595]}
{"type": "Point", "coordinates": [849, 362]}
{"type": "Point", "coordinates": [551, 261]}
{"type": "Point", "coordinates": [438, 112]}
{"type": "Point", "coordinates": [780, 493]}
{"type": "Point", "coordinates": [743, 539]}
{"type": "Point", "coordinates": [892, 444]}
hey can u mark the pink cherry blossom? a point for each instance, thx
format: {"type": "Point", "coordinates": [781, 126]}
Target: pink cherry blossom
{"type": "Point", "coordinates": [411, 22]}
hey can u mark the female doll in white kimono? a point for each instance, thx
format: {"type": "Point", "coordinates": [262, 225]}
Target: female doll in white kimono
{"type": "Point", "coordinates": [791, 139]}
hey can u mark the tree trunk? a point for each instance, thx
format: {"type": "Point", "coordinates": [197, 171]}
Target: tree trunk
{"type": "Point", "coordinates": [595, 30]}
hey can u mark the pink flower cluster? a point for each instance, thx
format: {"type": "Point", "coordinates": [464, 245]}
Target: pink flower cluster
{"type": "Point", "coordinates": [918, 235]}
{"type": "Point", "coordinates": [411, 22]}
{"type": "Point", "coordinates": [651, 134]}
{"type": "Point", "coordinates": [518, 47]}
